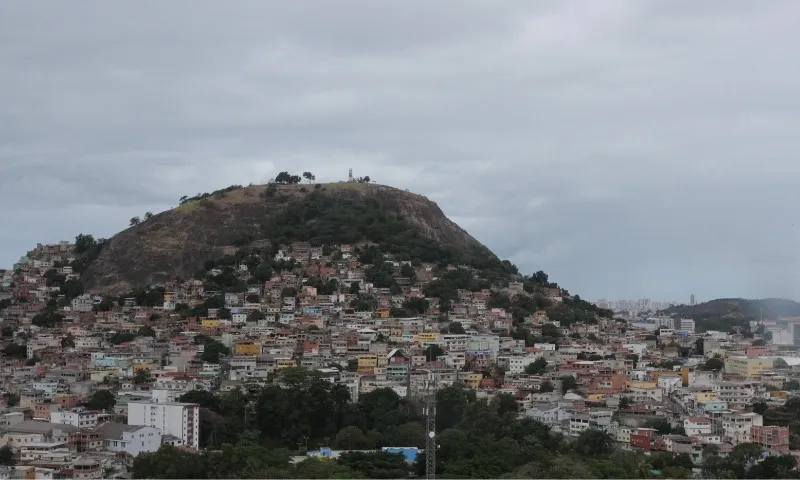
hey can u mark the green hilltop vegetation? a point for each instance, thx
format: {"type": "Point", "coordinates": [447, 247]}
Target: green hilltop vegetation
{"type": "Point", "coordinates": [725, 313]}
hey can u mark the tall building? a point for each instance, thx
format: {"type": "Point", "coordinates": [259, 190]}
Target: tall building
{"type": "Point", "coordinates": [692, 301]}
{"type": "Point", "coordinates": [181, 420]}
{"type": "Point", "coordinates": [686, 325]}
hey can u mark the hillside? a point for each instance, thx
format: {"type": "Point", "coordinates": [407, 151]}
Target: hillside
{"type": "Point", "coordinates": [177, 243]}
{"type": "Point", "coordinates": [722, 313]}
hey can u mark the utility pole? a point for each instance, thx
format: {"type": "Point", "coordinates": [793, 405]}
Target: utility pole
{"type": "Point", "coordinates": [430, 424]}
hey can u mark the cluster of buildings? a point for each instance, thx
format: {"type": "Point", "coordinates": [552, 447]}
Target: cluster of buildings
{"type": "Point", "coordinates": [656, 385]}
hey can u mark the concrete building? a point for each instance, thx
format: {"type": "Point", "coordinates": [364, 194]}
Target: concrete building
{"type": "Point", "coordinates": [181, 420]}
{"type": "Point", "coordinates": [78, 417]}
{"type": "Point", "coordinates": [131, 439]}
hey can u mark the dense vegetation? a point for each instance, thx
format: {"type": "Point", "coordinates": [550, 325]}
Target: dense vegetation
{"type": "Point", "coordinates": [253, 435]}
{"type": "Point", "coordinates": [331, 220]}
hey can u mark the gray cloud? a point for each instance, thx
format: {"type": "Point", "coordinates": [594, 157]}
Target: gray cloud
{"type": "Point", "coordinates": [628, 147]}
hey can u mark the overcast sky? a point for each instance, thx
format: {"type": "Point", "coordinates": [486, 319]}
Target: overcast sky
{"type": "Point", "coordinates": [628, 148]}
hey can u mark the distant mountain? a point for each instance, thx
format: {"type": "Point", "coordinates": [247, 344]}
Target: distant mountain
{"type": "Point", "coordinates": [723, 313]}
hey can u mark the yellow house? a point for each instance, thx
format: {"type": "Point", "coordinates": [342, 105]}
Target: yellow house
{"type": "Point", "coordinates": [596, 398]}
{"type": "Point", "coordinates": [705, 397]}
{"type": "Point", "coordinates": [209, 322]}
{"type": "Point", "coordinates": [383, 312]}
{"type": "Point", "coordinates": [781, 394]}
{"type": "Point", "coordinates": [747, 367]}
{"type": "Point", "coordinates": [141, 366]}
{"type": "Point", "coordinates": [427, 337]}
{"type": "Point", "coordinates": [473, 380]}
{"type": "Point", "coordinates": [367, 362]}
{"type": "Point", "coordinates": [247, 347]}
{"type": "Point", "coordinates": [285, 363]}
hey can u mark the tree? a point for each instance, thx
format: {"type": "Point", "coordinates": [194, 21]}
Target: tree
{"type": "Point", "coordinates": [146, 331]}
{"type": "Point", "coordinates": [309, 176]}
{"type": "Point", "coordinates": [792, 385]}
{"type": "Point", "coordinates": [142, 376]}
{"type": "Point", "coordinates": [284, 178]}
{"type": "Point", "coordinates": [84, 243]}
{"type": "Point", "coordinates": [135, 221]}
{"type": "Point", "coordinates": [715, 363]}
{"type": "Point", "coordinates": [148, 215]}
{"type": "Point", "coordinates": [350, 438]}
{"type": "Point", "coordinates": [537, 367]}
{"type": "Point", "coordinates": [101, 400]}
{"type": "Point", "coordinates": [213, 350]}
{"type": "Point", "coordinates": [7, 457]}
{"type": "Point", "coordinates": [594, 442]}
{"type": "Point", "coordinates": [568, 383]}
{"type": "Point", "coordinates": [15, 350]}
{"type": "Point", "coordinates": [624, 403]}
{"type": "Point", "coordinates": [432, 352]}
{"type": "Point", "coordinates": [456, 328]}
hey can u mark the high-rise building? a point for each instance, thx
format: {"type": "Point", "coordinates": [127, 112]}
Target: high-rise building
{"type": "Point", "coordinates": [181, 420]}
{"type": "Point", "coordinates": [692, 301]}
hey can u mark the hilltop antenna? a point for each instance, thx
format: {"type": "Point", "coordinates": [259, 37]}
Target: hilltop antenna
{"type": "Point", "coordinates": [350, 175]}
{"type": "Point", "coordinates": [430, 426]}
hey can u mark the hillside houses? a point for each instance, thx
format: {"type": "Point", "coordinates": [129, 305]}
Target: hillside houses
{"type": "Point", "coordinates": [365, 325]}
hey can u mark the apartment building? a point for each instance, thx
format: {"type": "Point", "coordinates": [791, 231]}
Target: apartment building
{"type": "Point", "coordinates": [181, 420]}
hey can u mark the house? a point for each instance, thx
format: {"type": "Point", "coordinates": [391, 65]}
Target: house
{"type": "Point", "coordinates": [130, 439]}
{"type": "Point", "coordinates": [548, 413]}
{"type": "Point", "coordinates": [697, 426]}
{"type": "Point", "coordinates": [32, 431]}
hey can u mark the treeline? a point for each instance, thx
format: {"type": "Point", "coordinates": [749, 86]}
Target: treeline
{"type": "Point", "coordinates": [254, 435]}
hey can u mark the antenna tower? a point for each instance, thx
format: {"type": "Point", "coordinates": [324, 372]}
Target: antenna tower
{"type": "Point", "coordinates": [430, 426]}
{"type": "Point", "coordinates": [350, 175]}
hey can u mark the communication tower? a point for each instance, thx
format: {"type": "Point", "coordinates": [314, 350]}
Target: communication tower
{"type": "Point", "coordinates": [350, 175]}
{"type": "Point", "coordinates": [430, 426]}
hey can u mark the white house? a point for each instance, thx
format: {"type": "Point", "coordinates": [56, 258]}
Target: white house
{"type": "Point", "coordinates": [697, 426]}
{"type": "Point", "coordinates": [77, 417]}
{"type": "Point", "coordinates": [131, 439]}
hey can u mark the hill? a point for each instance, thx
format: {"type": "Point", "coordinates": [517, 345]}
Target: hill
{"type": "Point", "coordinates": [722, 313]}
{"type": "Point", "coordinates": [335, 238]}
{"type": "Point", "coordinates": [178, 243]}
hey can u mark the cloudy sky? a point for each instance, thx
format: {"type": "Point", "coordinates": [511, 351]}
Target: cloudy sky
{"type": "Point", "coordinates": [628, 148]}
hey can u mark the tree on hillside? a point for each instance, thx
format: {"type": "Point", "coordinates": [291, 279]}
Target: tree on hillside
{"type": "Point", "coordinates": [135, 221]}
{"type": "Point", "coordinates": [285, 178]}
{"type": "Point", "coordinates": [148, 215]}
{"type": "Point", "coordinates": [7, 457]}
{"type": "Point", "coordinates": [433, 352]}
{"type": "Point", "coordinates": [101, 400]}
{"type": "Point", "coordinates": [83, 243]}
{"type": "Point", "coordinates": [568, 383]}
{"type": "Point", "coordinates": [142, 376]}
{"type": "Point", "coordinates": [363, 179]}
{"type": "Point", "coordinates": [537, 367]}
{"type": "Point", "coordinates": [309, 176]}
